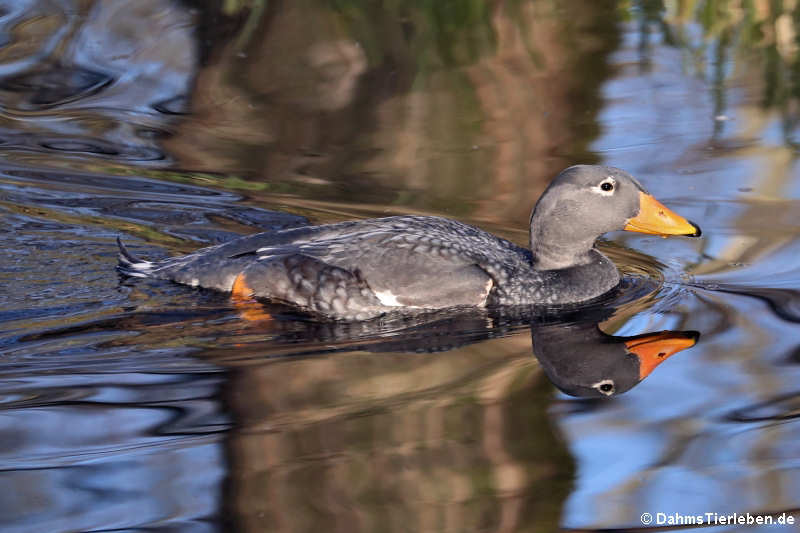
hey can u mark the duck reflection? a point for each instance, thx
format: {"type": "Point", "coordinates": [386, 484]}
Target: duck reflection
{"type": "Point", "coordinates": [581, 360]}
{"type": "Point", "coordinates": [573, 351]}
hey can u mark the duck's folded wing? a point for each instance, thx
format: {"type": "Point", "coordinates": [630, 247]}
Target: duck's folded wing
{"type": "Point", "coordinates": [365, 291]}
{"type": "Point", "coordinates": [404, 273]}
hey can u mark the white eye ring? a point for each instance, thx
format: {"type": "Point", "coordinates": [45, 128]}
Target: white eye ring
{"type": "Point", "coordinates": [599, 187]}
{"type": "Point", "coordinates": [601, 385]}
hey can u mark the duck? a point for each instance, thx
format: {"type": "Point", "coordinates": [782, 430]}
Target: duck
{"type": "Point", "coordinates": [363, 269]}
{"type": "Point", "coordinates": [583, 361]}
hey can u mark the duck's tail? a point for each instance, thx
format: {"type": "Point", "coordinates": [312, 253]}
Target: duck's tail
{"type": "Point", "coordinates": [130, 265]}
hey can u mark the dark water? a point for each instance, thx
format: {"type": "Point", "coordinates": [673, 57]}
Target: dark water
{"type": "Point", "coordinates": [131, 405]}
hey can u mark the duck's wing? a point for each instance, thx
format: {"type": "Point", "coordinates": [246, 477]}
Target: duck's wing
{"type": "Point", "coordinates": [216, 267]}
{"type": "Point", "coordinates": [404, 262]}
{"type": "Point", "coordinates": [322, 287]}
{"type": "Point", "coordinates": [410, 271]}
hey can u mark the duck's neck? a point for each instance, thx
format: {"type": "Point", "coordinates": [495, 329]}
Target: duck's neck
{"type": "Point", "coordinates": [555, 256]}
{"type": "Point", "coordinates": [554, 246]}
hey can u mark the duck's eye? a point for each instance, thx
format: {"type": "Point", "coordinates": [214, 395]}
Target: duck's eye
{"type": "Point", "coordinates": [605, 387]}
{"type": "Point", "coordinates": [605, 187]}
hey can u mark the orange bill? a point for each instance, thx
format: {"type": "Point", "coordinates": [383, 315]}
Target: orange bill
{"type": "Point", "coordinates": [655, 218]}
{"type": "Point", "coordinates": [652, 349]}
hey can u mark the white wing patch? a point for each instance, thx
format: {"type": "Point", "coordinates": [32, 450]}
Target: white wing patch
{"type": "Point", "coordinates": [488, 289]}
{"type": "Point", "coordinates": [387, 298]}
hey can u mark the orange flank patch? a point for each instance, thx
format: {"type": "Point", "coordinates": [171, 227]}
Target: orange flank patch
{"type": "Point", "coordinates": [242, 296]}
{"type": "Point", "coordinates": [240, 290]}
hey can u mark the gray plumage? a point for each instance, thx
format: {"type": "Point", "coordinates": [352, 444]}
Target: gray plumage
{"type": "Point", "coordinates": [362, 269]}
{"type": "Point", "coordinates": [581, 360]}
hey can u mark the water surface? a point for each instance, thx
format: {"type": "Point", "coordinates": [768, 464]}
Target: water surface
{"type": "Point", "coordinates": [132, 404]}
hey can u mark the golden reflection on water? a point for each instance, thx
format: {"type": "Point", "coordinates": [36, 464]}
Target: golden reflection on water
{"type": "Point", "coordinates": [424, 127]}
{"type": "Point", "coordinates": [396, 441]}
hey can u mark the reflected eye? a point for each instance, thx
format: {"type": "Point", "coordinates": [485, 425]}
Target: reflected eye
{"type": "Point", "coordinates": [605, 387]}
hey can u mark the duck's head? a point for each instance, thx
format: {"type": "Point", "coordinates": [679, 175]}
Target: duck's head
{"type": "Point", "coordinates": [585, 201]}
{"type": "Point", "coordinates": [583, 361]}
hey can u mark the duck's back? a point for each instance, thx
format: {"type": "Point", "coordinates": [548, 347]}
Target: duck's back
{"type": "Point", "coordinates": [356, 269]}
